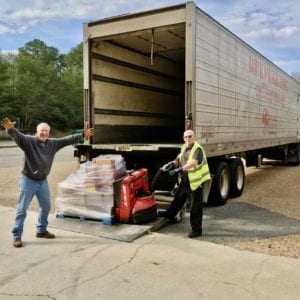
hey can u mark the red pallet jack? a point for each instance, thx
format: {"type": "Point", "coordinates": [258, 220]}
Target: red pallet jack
{"type": "Point", "coordinates": [134, 202]}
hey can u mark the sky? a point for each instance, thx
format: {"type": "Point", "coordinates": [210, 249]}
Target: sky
{"type": "Point", "coordinates": [272, 27]}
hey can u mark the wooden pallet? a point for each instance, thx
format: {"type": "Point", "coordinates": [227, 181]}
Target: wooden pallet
{"type": "Point", "coordinates": [111, 220]}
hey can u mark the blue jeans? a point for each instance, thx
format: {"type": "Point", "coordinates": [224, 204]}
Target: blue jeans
{"type": "Point", "coordinates": [28, 189]}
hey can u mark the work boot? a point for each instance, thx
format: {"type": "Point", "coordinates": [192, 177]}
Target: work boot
{"type": "Point", "coordinates": [194, 234]}
{"type": "Point", "coordinates": [17, 242]}
{"type": "Point", "coordinates": [46, 235]}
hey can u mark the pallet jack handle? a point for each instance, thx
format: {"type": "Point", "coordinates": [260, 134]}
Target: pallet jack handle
{"type": "Point", "coordinates": [165, 168]}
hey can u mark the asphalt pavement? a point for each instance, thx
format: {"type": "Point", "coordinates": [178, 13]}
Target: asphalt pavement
{"type": "Point", "coordinates": [154, 266]}
{"type": "Point", "coordinates": [7, 143]}
{"type": "Point", "coordinates": [157, 265]}
{"type": "Point", "coordinates": [238, 221]}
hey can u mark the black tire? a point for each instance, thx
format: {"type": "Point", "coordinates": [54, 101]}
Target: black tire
{"type": "Point", "coordinates": [237, 177]}
{"type": "Point", "coordinates": [220, 188]}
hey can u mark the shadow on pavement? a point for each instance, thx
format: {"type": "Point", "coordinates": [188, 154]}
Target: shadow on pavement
{"type": "Point", "coordinates": [237, 221]}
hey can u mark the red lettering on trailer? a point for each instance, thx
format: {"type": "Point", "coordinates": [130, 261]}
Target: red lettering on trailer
{"type": "Point", "coordinates": [262, 70]}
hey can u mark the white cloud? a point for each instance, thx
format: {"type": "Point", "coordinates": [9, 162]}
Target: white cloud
{"type": "Point", "coordinates": [265, 25]}
{"type": "Point", "coordinates": [287, 31]}
{"type": "Point", "coordinates": [18, 16]}
{"type": "Point", "coordinates": [43, 10]}
{"type": "Point", "coordinates": [4, 29]}
{"type": "Point", "coordinates": [268, 32]}
{"type": "Point", "coordinates": [279, 19]}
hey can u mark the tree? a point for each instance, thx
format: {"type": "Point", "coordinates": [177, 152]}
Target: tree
{"type": "Point", "coordinates": [38, 82]}
{"type": "Point", "coordinates": [8, 105]}
{"type": "Point", "coordinates": [72, 77]}
{"type": "Point", "coordinates": [42, 85]}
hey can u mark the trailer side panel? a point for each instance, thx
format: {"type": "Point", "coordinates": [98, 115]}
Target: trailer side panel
{"type": "Point", "coordinates": [243, 101]}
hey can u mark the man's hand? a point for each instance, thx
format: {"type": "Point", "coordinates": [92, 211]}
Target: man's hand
{"type": "Point", "coordinates": [7, 123]}
{"type": "Point", "coordinates": [175, 171]}
{"type": "Point", "coordinates": [88, 133]}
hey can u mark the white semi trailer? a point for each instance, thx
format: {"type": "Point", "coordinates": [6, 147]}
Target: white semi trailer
{"type": "Point", "coordinates": [150, 75]}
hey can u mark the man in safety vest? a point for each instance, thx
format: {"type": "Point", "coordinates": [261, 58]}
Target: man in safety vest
{"type": "Point", "coordinates": [193, 171]}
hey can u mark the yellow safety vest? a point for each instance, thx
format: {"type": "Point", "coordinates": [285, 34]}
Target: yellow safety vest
{"type": "Point", "coordinates": [200, 173]}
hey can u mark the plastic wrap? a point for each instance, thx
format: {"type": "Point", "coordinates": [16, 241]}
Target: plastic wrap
{"type": "Point", "coordinates": [89, 192]}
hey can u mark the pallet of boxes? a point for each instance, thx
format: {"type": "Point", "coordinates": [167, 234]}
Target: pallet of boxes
{"type": "Point", "coordinates": [89, 193]}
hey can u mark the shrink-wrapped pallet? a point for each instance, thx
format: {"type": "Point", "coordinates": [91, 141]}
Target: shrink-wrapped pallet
{"type": "Point", "coordinates": [89, 192]}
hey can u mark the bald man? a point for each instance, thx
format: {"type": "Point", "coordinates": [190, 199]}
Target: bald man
{"type": "Point", "coordinates": [192, 172]}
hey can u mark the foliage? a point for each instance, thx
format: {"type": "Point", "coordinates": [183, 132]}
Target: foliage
{"type": "Point", "coordinates": [8, 105]}
{"type": "Point", "coordinates": [41, 85]}
{"type": "Point", "coordinates": [73, 83]}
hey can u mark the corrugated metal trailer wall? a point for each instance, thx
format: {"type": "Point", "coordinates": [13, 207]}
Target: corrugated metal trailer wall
{"type": "Point", "coordinates": [137, 77]}
{"type": "Point", "coordinates": [145, 71]}
{"type": "Point", "coordinates": [243, 101]}
{"type": "Point", "coordinates": [133, 97]}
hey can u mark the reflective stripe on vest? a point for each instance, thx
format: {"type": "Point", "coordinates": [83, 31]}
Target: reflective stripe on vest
{"type": "Point", "coordinates": [200, 173]}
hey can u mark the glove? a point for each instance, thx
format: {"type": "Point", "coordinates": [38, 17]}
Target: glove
{"type": "Point", "coordinates": [175, 171]}
{"type": "Point", "coordinates": [170, 165]}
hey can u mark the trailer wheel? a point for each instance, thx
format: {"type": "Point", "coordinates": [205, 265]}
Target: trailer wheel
{"type": "Point", "coordinates": [220, 188]}
{"type": "Point", "coordinates": [237, 177]}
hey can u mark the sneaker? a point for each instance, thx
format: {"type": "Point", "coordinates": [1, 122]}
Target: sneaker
{"type": "Point", "coordinates": [17, 242]}
{"type": "Point", "coordinates": [194, 234]}
{"type": "Point", "coordinates": [46, 235]}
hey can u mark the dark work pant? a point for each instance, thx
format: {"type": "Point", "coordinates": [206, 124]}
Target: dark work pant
{"type": "Point", "coordinates": [196, 210]}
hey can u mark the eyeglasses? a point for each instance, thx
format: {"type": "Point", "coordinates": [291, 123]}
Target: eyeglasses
{"type": "Point", "coordinates": [188, 136]}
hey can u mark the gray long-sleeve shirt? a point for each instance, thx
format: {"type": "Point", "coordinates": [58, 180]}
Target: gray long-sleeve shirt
{"type": "Point", "coordinates": [39, 156]}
